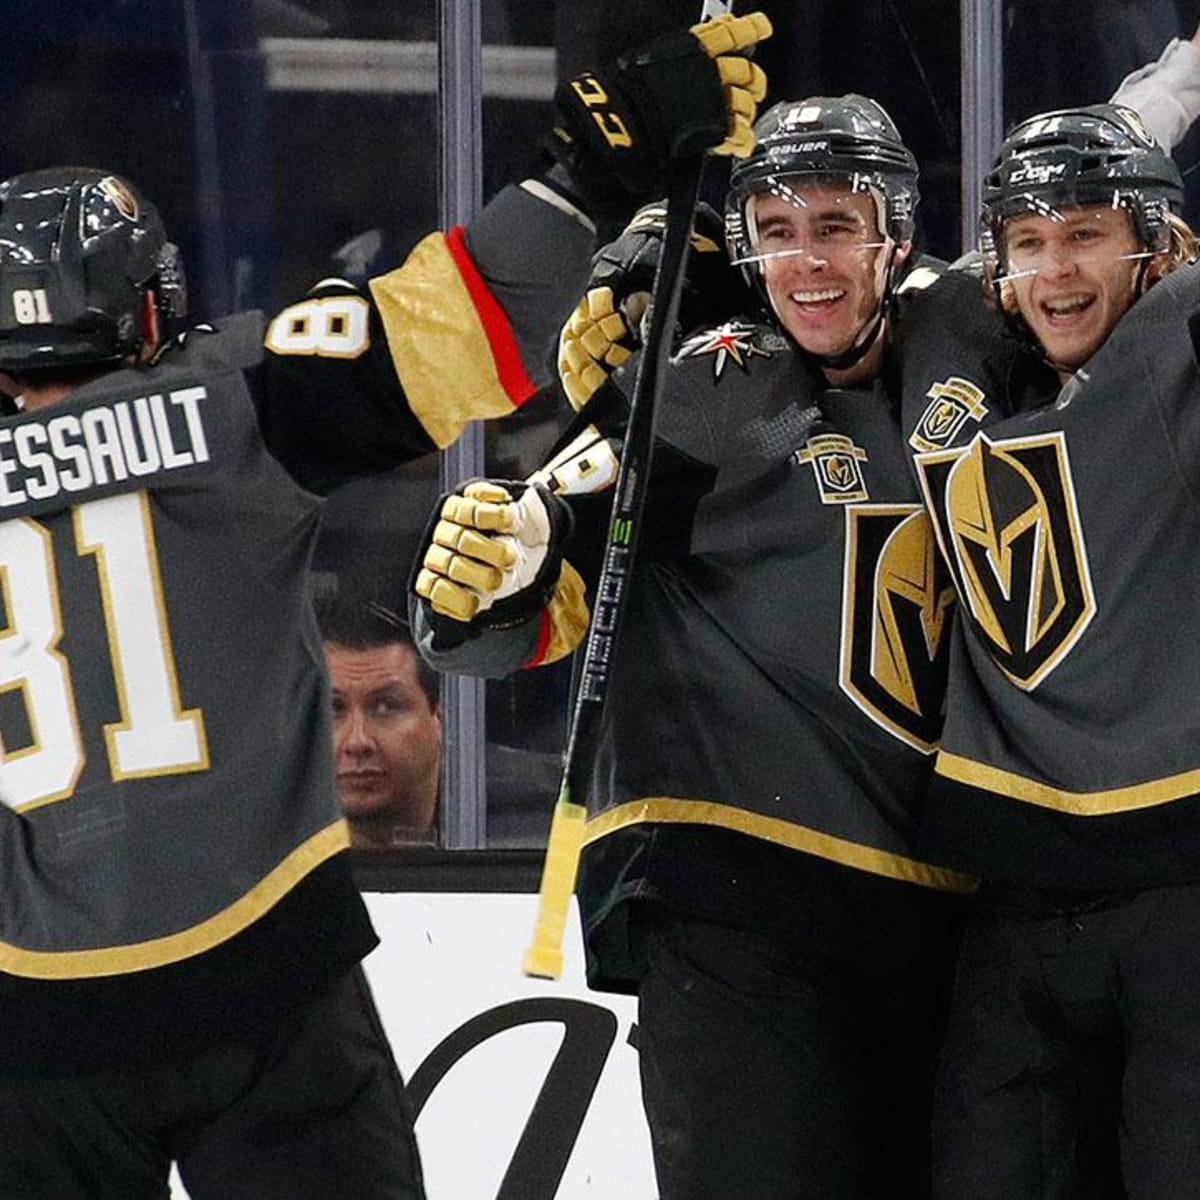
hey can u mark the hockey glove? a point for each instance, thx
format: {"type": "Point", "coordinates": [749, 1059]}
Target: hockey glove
{"type": "Point", "coordinates": [673, 98]}
{"type": "Point", "coordinates": [494, 553]}
{"type": "Point", "coordinates": [608, 323]}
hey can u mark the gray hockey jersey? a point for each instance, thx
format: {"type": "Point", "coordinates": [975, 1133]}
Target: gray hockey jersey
{"type": "Point", "coordinates": [171, 842]}
{"type": "Point", "coordinates": [1069, 520]}
{"type": "Point", "coordinates": [782, 663]}
{"type": "Point", "coordinates": [166, 775]}
{"type": "Point", "coordinates": [781, 666]}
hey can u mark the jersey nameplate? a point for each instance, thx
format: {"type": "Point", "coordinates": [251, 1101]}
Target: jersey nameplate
{"type": "Point", "coordinates": [65, 452]}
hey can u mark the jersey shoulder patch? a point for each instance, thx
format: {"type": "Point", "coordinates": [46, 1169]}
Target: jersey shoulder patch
{"type": "Point", "coordinates": [731, 385]}
{"type": "Point", "coordinates": [732, 344]}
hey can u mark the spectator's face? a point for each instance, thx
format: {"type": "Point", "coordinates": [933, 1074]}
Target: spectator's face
{"type": "Point", "coordinates": [823, 265]}
{"type": "Point", "coordinates": [387, 739]}
{"type": "Point", "coordinates": [1072, 277]}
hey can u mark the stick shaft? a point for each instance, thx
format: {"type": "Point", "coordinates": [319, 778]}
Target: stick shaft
{"type": "Point", "coordinates": [567, 827]}
{"type": "Point", "coordinates": [565, 841]}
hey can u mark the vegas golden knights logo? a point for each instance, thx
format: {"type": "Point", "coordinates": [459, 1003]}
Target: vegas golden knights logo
{"type": "Point", "coordinates": [952, 404]}
{"type": "Point", "coordinates": [837, 463]}
{"type": "Point", "coordinates": [1006, 517]}
{"type": "Point", "coordinates": [895, 621]}
{"type": "Point", "coordinates": [116, 190]}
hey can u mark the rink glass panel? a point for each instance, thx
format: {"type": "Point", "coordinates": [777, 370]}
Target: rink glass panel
{"type": "Point", "coordinates": [285, 141]}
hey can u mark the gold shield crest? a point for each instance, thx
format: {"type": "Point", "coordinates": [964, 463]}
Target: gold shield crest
{"type": "Point", "coordinates": [952, 403]}
{"type": "Point", "coordinates": [1007, 518]}
{"type": "Point", "coordinates": [837, 464]}
{"type": "Point", "coordinates": [895, 621]}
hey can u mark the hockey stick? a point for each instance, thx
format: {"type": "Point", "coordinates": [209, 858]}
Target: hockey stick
{"type": "Point", "coordinates": [544, 957]}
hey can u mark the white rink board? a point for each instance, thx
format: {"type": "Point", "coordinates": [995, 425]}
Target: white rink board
{"type": "Point", "coordinates": [444, 960]}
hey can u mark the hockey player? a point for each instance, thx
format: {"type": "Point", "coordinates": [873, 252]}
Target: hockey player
{"type": "Point", "coordinates": [1063, 491]}
{"type": "Point", "coordinates": [774, 702]}
{"type": "Point", "coordinates": [606, 326]}
{"type": "Point", "coordinates": [180, 934]}
{"type": "Point", "coordinates": [601, 331]}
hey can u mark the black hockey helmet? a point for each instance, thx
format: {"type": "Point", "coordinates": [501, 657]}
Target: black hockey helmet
{"type": "Point", "coordinates": [850, 141]}
{"type": "Point", "coordinates": [79, 248]}
{"type": "Point", "coordinates": [1100, 154]}
{"type": "Point", "coordinates": [847, 138]}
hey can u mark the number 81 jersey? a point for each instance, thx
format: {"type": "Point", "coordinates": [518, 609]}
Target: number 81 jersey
{"type": "Point", "coordinates": [165, 776]}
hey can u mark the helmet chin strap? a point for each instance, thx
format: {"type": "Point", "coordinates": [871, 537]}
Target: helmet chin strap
{"type": "Point", "coordinates": [1139, 278]}
{"type": "Point", "coordinates": [869, 332]}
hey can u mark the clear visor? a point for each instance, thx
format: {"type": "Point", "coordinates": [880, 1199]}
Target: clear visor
{"type": "Point", "coordinates": [811, 216]}
{"type": "Point", "coordinates": [1041, 238]}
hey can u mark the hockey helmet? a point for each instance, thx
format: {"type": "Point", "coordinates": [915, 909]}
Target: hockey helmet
{"type": "Point", "coordinates": [1099, 154]}
{"type": "Point", "coordinates": [849, 140]}
{"type": "Point", "coordinates": [79, 248]}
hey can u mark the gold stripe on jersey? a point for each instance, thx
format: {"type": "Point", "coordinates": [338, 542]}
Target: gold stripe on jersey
{"type": "Point", "coordinates": [438, 344]}
{"type": "Point", "coordinates": [1075, 804]}
{"type": "Point", "coordinates": [187, 943]}
{"type": "Point", "coordinates": [670, 810]}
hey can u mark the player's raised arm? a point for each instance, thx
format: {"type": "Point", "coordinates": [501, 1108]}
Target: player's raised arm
{"type": "Point", "coordinates": [465, 328]}
{"type": "Point", "coordinates": [1166, 92]}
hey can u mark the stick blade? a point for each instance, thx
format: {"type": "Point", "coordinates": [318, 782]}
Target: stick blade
{"type": "Point", "coordinates": [544, 957]}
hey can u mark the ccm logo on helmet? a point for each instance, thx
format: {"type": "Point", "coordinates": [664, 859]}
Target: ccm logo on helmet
{"type": "Point", "coordinates": [1038, 173]}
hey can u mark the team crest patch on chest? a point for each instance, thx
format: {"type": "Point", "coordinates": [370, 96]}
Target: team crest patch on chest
{"type": "Point", "coordinates": [1007, 518]}
{"type": "Point", "coordinates": [952, 404]}
{"type": "Point", "coordinates": [837, 466]}
{"type": "Point", "coordinates": [732, 342]}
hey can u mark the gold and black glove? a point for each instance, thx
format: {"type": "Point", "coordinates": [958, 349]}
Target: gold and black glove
{"type": "Point", "coordinates": [493, 553]}
{"type": "Point", "coordinates": [621, 126]}
{"type": "Point", "coordinates": [608, 323]}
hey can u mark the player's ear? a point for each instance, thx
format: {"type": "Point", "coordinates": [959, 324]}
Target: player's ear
{"type": "Point", "coordinates": [1158, 267]}
{"type": "Point", "coordinates": [1008, 297]}
{"type": "Point", "coordinates": [903, 250]}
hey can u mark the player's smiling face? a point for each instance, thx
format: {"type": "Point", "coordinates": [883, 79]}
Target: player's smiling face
{"type": "Point", "coordinates": [1072, 277]}
{"type": "Point", "coordinates": [822, 263]}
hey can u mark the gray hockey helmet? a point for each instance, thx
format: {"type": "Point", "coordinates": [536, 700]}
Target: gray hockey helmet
{"type": "Point", "coordinates": [845, 139]}
{"type": "Point", "coordinates": [1099, 154]}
